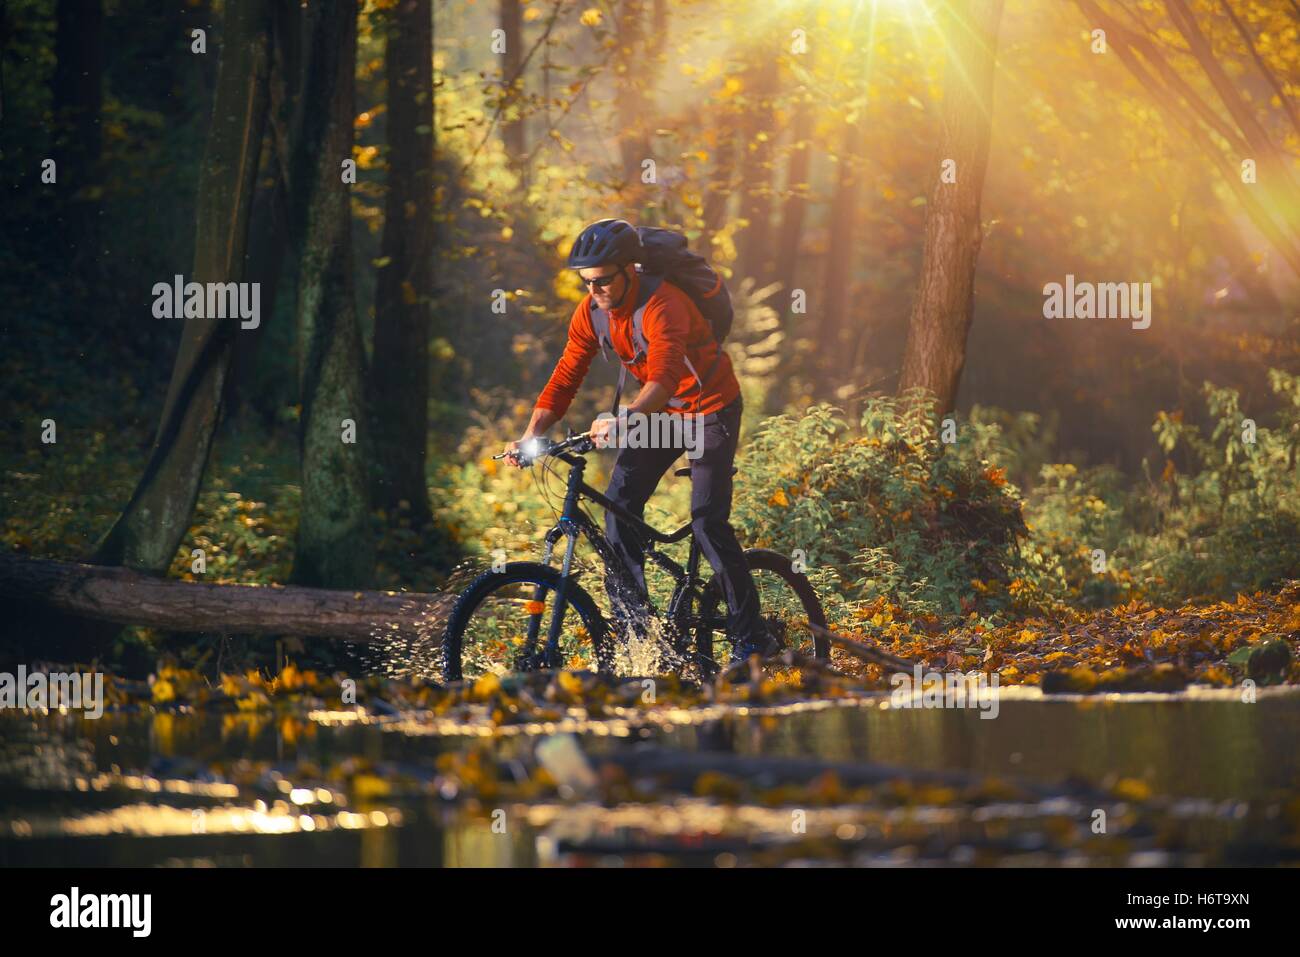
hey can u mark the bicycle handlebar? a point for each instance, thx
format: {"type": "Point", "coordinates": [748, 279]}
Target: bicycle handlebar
{"type": "Point", "coordinates": [580, 443]}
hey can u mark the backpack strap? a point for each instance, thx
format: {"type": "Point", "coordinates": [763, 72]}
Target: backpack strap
{"type": "Point", "coordinates": [699, 381]}
{"type": "Point", "coordinates": [699, 384]}
{"type": "Point", "coordinates": [646, 286]}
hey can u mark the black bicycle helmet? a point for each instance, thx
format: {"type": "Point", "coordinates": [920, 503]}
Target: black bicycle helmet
{"type": "Point", "coordinates": [608, 241]}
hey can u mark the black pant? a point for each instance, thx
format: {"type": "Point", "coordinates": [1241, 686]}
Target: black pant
{"type": "Point", "coordinates": [636, 475]}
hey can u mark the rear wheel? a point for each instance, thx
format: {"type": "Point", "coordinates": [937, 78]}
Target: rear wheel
{"type": "Point", "coordinates": [789, 606]}
{"type": "Point", "coordinates": [502, 622]}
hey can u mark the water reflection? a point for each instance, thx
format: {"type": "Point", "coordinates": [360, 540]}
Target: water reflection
{"type": "Point", "coordinates": [268, 789]}
{"type": "Point", "coordinates": [1204, 748]}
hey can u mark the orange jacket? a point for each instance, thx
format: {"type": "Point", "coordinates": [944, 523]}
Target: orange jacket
{"type": "Point", "coordinates": [674, 330]}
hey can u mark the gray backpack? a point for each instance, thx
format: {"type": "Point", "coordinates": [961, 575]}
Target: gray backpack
{"type": "Point", "coordinates": [665, 256]}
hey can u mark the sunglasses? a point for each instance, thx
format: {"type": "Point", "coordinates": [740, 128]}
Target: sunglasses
{"type": "Point", "coordinates": [601, 281]}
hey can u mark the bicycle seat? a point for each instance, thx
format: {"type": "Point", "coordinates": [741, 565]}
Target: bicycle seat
{"type": "Point", "coordinates": [687, 471]}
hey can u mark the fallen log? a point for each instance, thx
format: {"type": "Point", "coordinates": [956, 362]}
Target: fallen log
{"type": "Point", "coordinates": [862, 651]}
{"type": "Point", "coordinates": [126, 597]}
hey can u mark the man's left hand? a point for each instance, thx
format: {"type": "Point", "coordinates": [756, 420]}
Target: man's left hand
{"type": "Point", "coordinates": [601, 429]}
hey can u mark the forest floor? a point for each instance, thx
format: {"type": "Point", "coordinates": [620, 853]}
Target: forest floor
{"type": "Point", "coordinates": [801, 764]}
{"type": "Point", "coordinates": [1131, 648]}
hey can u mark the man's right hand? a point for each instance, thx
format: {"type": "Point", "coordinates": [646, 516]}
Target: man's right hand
{"type": "Point", "coordinates": [541, 420]}
{"type": "Point", "coordinates": [512, 452]}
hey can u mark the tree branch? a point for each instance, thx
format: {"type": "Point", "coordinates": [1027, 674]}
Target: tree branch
{"type": "Point", "coordinates": [1253, 130]}
{"type": "Point", "coordinates": [1263, 67]}
{"type": "Point", "coordinates": [1169, 75]}
{"type": "Point", "coordinates": [1281, 240]}
{"type": "Point", "coordinates": [501, 105]}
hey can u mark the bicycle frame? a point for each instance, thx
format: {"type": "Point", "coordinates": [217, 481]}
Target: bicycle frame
{"type": "Point", "coordinates": [573, 522]}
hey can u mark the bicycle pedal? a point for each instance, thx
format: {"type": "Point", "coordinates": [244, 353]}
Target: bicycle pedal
{"type": "Point", "coordinates": [779, 632]}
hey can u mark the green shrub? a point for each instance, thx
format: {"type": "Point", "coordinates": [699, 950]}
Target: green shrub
{"type": "Point", "coordinates": [1229, 520]}
{"type": "Point", "coordinates": [888, 511]}
{"type": "Point", "coordinates": [1020, 442]}
{"type": "Point", "coordinates": [894, 511]}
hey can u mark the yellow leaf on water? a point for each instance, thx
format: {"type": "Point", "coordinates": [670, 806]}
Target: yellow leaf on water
{"type": "Point", "coordinates": [1132, 789]}
{"type": "Point", "coordinates": [486, 686]}
{"type": "Point", "coordinates": [255, 700]}
{"type": "Point", "coordinates": [369, 786]}
{"type": "Point", "coordinates": [570, 683]}
{"type": "Point", "coordinates": [290, 678]}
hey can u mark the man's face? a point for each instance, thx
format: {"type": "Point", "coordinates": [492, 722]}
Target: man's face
{"type": "Point", "coordinates": [604, 296]}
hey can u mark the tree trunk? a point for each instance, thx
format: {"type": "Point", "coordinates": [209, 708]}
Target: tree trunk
{"type": "Point", "coordinates": [755, 239]}
{"type": "Point", "coordinates": [4, 42]}
{"type": "Point", "coordinates": [834, 303]}
{"type": "Point", "coordinates": [268, 239]}
{"type": "Point", "coordinates": [335, 544]}
{"type": "Point", "coordinates": [642, 31]}
{"type": "Point", "coordinates": [157, 517]}
{"type": "Point", "coordinates": [513, 133]}
{"type": "Point", "coordinates": [77, 90]}
{"type": "Point", "coordinates": [795, 206]}
{"type": "Point", "coordinates": [399, 373]}
{"type": "Point", "coordinates": [941, 316]}
{"type": "Point", "coordinates": [126, 597]}
{"type": "Point", "coordinates": [77, 100]}
{"type": "Point", "coordinates": [717, 191]}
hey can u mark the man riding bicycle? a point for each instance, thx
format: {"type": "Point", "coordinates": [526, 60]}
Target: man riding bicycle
{"type": "Point", "coordinates": [679, 341]}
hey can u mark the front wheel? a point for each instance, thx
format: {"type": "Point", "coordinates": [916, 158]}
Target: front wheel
{"type": "Point", "coordinates": [789, 606]}
{"type": "Point", "coordinates": [504, 621]}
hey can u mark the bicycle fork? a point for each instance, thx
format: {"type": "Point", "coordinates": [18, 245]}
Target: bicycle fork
{"type": "Point", "coordinates": [550, 654]}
